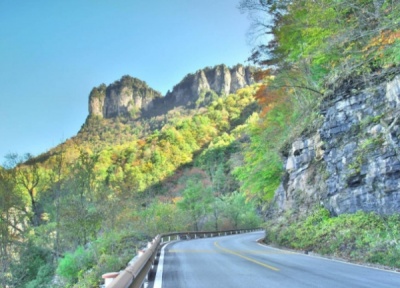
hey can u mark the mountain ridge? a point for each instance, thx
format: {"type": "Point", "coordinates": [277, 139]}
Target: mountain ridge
{"type": "Point", "coordinates": [132, 97]}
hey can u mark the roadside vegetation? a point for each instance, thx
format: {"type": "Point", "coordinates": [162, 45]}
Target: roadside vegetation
{"type": "Point", "coordinates": [361, 237]}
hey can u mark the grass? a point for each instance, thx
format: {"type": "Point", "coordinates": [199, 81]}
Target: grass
{"type": "Point", "coordinates": [359, 237]}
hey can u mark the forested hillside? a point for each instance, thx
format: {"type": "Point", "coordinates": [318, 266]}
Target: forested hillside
{"type": "Point", "coordinates": [312, 148]}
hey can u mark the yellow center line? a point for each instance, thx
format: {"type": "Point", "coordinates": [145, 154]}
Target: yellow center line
{"type": "Point", "coordinates": [191, 251]}
{"type": "Point", "coordinates": [245, 257]}
{"type": "Point", "coordinates": [275, 252]}
{"type": "Point", "coordinates": [237, 251]}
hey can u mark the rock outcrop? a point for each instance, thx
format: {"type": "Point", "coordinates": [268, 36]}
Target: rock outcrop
{"type": "Point", "coordinates": [220, 79]}
{"type": "Point", "coordinates": [132, 97]}
{"type": "Point", "coordinates": [127, 96]}
{"type": "Point", "coordinates": [353, 162]}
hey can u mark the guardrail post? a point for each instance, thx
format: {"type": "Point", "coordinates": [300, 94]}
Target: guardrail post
{"type": "Point", "coordinates": [146, 281]}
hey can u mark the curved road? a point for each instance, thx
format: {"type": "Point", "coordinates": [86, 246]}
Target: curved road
{"type": "Point", "coordinates": [239, 261]}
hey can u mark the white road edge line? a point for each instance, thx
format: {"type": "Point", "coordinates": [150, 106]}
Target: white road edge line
{"type": "Point", "coordinates": [160, 268]}
{"type": "Point", "coordinates": [328, 259]}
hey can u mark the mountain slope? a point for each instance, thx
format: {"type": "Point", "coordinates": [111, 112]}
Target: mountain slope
{"type": "Point", "coordinates": [128, 109]}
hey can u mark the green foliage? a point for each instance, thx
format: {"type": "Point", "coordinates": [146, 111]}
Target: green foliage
{"type": "Point", "coordinates": [261, 173]}
{"type": "Point", "coordinates": [361, 236]}
{"type": "Point", "coordinates": [110, 252]}
{"type": "Point", "coordinates": [80, 218]}
{"type": "Point", "coordinates": [98, 92]}
{"type": "Point", "coordinates": [196, 200]}
{"type": "Point", "coordinates": [240, 211]}
{"type": "Point", "coordinates": [330, 39]}
{"type": "Point", "coordinates": [206, 97]}
{"type": "Point", "coordinates": [161, 217]}
{"type": "Point", "coordinates": [73, 265]}
{"type": "Point", "coordinates": [34, 263]}
{"type": "Point", "coordinates": [43, 278]}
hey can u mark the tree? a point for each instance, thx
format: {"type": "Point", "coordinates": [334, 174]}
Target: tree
{"type": "Point", "coordinates": [218, 179]}
{"type": "Point", "coordinates": [19, 180]}
{"type": "Point", "coordinates": [217, 206]}
{"type": "Point", "coordinates": [29, 177]}
{"type": "Point", "coordinates": [240, 211]}
{"type": "Point", "coordinates": [326, 38]}
{"type": "Point", "coordinates": [79, 213]}
{"type": "Point", "coordinates": [31, 260]}
{"type": "Point", "coordinates": [10, 229]}
{"type": "Point", "coordinates": [56, 180]}
{"type": "Point", "coordinates": [196, 200]}
{"type": "Point", "coordinates": [161, 217]}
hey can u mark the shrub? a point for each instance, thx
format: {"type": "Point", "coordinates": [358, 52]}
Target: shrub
{"type": "Point", "coordinates": [43, 277]}
{"type": "Point", "coordinates": [32, 261]}
{"type": "Point", "coordinates": [75, 264]}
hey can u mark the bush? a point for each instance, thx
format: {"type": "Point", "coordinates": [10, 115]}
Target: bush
{"type": "Point", "coordinates": [111, 252]}
{"type": "Point", "coordinates": [75, 264]}
{"type": "Point", "coordinates": [43, 277]}
{"type": "Point", "coordinates": [30, 266]}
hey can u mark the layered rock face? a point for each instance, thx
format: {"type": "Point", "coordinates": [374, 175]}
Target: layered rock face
{"type": "Point", "coordinates": [353, 162]}
{"type": "Point", "coordinates": [131, 96]}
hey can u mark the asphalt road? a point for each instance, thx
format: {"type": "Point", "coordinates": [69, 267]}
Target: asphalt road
{"type": "Point", "coordinates": [239, 261]}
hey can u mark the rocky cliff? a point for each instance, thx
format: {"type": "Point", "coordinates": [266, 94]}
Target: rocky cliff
{"type": "Point", "coordinates": [127, 96]}
{"type": "Point", "coordinates": [353, 161]}
{"type": "Point", "coordinates": [131, 96]}
{"type": "Point", "coordinates": [220, 79]}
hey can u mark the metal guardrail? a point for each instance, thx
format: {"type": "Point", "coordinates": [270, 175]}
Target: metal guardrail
{"type": "Point", "coordinates": [135, 275]}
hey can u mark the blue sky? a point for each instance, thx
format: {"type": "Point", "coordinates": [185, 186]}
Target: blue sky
{"type": "Point", "coordinates": [53, 52]}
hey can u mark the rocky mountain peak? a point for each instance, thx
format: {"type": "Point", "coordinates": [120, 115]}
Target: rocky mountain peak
{"type": "Point", "coordinates": [132, 97]}
{"type": "Point", "coordinates": [128, 96]}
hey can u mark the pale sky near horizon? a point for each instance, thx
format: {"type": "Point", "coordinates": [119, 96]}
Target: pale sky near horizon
{"type": "Point", "coordinates": [53, 52]}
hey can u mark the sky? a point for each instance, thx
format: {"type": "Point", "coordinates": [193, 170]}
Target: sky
{"type": "Point", "coordinates": [53, 52]}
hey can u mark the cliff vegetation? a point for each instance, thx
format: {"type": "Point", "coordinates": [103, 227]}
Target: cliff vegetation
{"type": "Point", "coordinates": [331, 126]}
